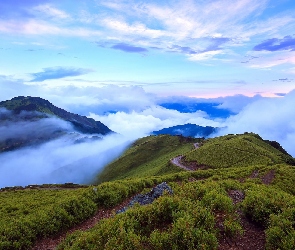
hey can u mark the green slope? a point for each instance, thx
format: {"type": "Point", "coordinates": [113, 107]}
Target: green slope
{"type": "Point", "coordinates": [200, 214]}
{"type": "Point", "coordinates": [186, 220]}
{"type": "Point", "coordinates": [147, 157]}
{"type": "Point", "coordinates": [237, 151]}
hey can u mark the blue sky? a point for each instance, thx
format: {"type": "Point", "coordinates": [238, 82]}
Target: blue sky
{"type": "Point", "coordinates": [186, 48]}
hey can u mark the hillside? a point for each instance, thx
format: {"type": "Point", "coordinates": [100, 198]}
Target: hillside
{"type": "Point", "coordinates": [147, 157]}
{"type": "Point", "coordinates": [81, 123]}
{"type": "Point", "coordinates": [231, 205]}
{"type": "Point", "coordinates": [187, 130]}
{"type": "Point", "coordinates": [151, 155]}
{"type": "Point", "coordinates": [238, 151]}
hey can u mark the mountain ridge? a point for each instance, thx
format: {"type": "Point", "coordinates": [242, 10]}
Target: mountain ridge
{"type": "Point", "coordinates": [82, 123]}
{"type": "Point", "coordinates": [187, 130]}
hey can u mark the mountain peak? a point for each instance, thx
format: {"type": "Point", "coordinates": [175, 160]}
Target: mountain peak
{"type": "Point", "coordinates": [81, 123]}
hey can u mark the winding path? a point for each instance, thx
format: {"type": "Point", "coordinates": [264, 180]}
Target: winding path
{"type": "Point", "coordinates": [177, 161]}
{"type": "Point", "coordinates": [51, 242]}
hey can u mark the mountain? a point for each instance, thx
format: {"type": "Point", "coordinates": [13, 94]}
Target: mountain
{"type": "Point", "coordinates": [212, 109]}
{"type": "Point", "coordinates": [188, 130]}
{"type": "Point", "coordinates": [81, 123]}
{"type": "Point", "coordinates": [147, 156]}
{"type": "Point", "coordinates": [238, 151]}
{"type": "Point", "coordinates": [30, 121]}
{"type": "Point", "coordinates": [152, 155]}
{"type": "Point", "coordinates": [228, 192]}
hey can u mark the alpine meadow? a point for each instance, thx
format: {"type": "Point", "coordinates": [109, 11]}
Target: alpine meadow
{"type": "Point", "coordinates": [131, 124]}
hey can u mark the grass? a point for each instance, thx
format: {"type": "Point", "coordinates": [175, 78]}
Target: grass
{"type": "Point", "coordinates": [149, 156]}
{"type": "Point", "coordinates": [237, 151]}
{"type": "Point", "coordinates": [187, 219]}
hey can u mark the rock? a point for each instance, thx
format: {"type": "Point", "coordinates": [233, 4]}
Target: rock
{"type": "Point", "coordinates": [144, 199]}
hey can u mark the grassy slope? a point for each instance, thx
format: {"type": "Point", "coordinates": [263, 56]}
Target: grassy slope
{"type": "Point", "coordinates": [185, 221]}
{"type": "Point", "coordinates": [147, 157]}
{"type": "Point", "coordinates": [237, 151]}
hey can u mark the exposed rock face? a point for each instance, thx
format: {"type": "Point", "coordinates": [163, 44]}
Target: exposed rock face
{"type": "Point", "coordinates": [144, 199]}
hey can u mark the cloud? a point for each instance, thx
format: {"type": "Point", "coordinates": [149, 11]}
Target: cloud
{"type": "Point", "coordinates": [275, 44]}
{"type": "Point", "coordinates": [215, 43]}
{"type": "Point", "coordinates": [53, 152]}
{"type": "Point", "coordinates": [182, 27]}
{"type": "Point", "coordinates": [237, 103]}
{"type": "Point", "coordinates": [280, 94]}
{"type": "Point", "coordinates": [50, 11]}
{"type": "Point", "coordinates": [57, 73]}
{"type": "Point", "coordinates": [180, 49]}
{"type": "Point", "coordinates": [271, 118]}
{"type": "Point", "coordinates": [28, 125]}
{"type": "Point", "coordinates": [59, 161]}
{"type": "Point", "coordinates": [153, 118]}
{"type": "Point", "coordinates": [187, 29]}
{"type": "Point", "coordinates": [129, 48]}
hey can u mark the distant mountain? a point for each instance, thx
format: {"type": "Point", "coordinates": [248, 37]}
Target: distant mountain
{"type": "Point", "coordinates": [80, 123]}
{"type": "Point", "coordinates": [212, 109]}
{"type": "Point", "coordinates": [30, 121]}
{"type": "Point", "coordinates": [187, 130]}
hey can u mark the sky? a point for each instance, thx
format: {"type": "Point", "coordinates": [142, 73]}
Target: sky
{"type": "Point", "coordinates": [140, 66]}
{"type": "Point", "coordinates": [194, 48]}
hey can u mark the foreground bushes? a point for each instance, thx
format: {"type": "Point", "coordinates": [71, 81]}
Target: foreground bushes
{"type": "Point", "coordinates": [185, 220]}
{"type": "Point", "coordinates": [27, 215]}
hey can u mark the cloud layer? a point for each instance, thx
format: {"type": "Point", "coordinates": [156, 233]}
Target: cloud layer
{"type": "Point", "coordinates": [272, 118]}
{"type": "Point", "coordinates": [59, 161]}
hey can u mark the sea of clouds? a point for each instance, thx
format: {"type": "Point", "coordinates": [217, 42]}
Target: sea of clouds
{"type": "Point", "coordinates": [131, 113]}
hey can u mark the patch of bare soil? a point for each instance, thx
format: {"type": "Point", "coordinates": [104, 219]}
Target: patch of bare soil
{"type": "Point", "coordinates": [179, 161]}
{"type": "Point", "coordinates": [253, 236]}
{"type": "Point", "coordinates": [268, 177]}
{"type": "Point", "coordinates": [237, 196]}
{"type": "Point", "coordinates": [254, 174]}
{"type": "Point", "coordinates": [51, 243]}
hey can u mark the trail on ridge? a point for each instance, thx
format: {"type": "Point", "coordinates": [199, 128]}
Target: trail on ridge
{"type": "Point", "coordinates": [178, 160]}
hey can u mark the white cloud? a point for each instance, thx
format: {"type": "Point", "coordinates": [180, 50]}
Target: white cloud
{"type": "Point", "coordinates": [155, 24]}
{"type": "Point", "coordinates": [271, 118]}
{"type": "Point", "coordinates": [205, 55]}
{"type": "Point", "coordinates": [50, 11]}
{"type": "Point", "coordinates": [59, 161]}
{"type": "Point", "coordinates": [267, 60]}
{"type": "Point", "coordinates": [154, 118]}
{"type": "Point", "coordinates": [40, 27]}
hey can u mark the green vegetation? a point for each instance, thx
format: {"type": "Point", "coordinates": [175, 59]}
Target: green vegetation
{"type": "Point", "coordinates": [28, 214]}
{"type": "Point", "coordinates": [198, 215]}
{"type": "Point", "coordinates": [147, 157]}
{"type": "Point", "coordinates": [237, 151]}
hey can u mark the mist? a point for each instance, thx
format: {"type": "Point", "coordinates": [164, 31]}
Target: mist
{"type": "Point", "coordinates": [272, 119]}
{"type": "Point", "coordinates": [57, 153]}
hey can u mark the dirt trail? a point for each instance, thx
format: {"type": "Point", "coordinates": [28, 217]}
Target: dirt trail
{"type": "Point", "coordinates": [253, 236]}
{"type": "Point", "coordinates": [177, 161]}
{"type": "Point", "coordinates": [50, 243]}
